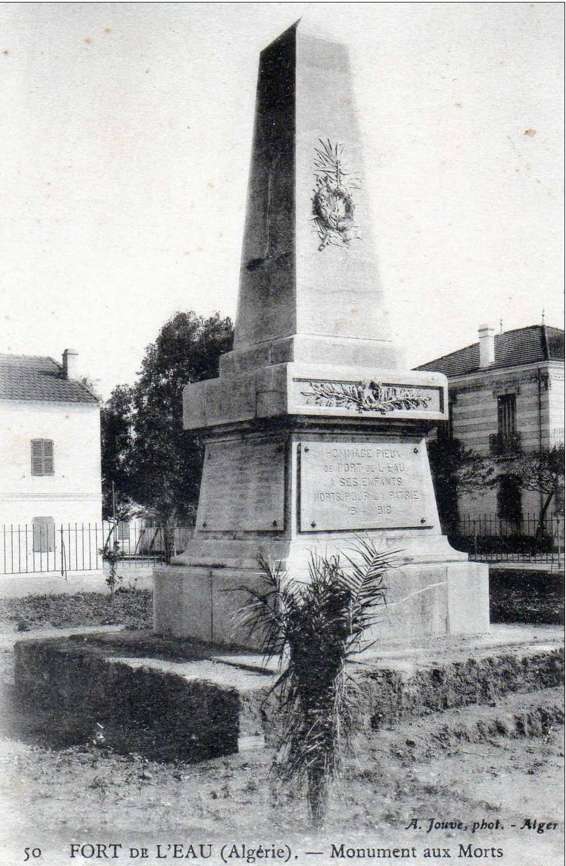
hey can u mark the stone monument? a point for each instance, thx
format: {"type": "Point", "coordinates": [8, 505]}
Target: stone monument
{"type": "Point", "coordinates": [313, 431]}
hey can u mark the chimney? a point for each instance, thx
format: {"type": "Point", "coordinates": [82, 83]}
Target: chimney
{"type": "Point", "coordinates": [487, 345]}
{"type": "Point", "coordinates": [71, 364]}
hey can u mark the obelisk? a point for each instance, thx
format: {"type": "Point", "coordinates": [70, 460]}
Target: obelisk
{"type": "Point", "coordinates": [313, 431]}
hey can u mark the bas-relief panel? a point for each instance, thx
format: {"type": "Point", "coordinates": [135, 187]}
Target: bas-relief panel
{"type": "Point", "coordinates": [243, 487]}
{"type": "Point", "coordinates": [333, 204]}
{"type": "Point", "coordinates": [352, 485]}
{"type": "Point", "coordinates": [368, 398]}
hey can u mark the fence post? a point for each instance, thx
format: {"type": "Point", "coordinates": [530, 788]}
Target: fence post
{"type": "Point", "coordinates": [63, 557]}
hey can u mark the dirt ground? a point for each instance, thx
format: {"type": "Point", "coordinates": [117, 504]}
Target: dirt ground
{"type": "Point", "coordinates": [445, 768]}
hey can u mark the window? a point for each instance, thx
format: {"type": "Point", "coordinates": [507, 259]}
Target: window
{"type": "Point", "coordinates": [43, 534]}
{"type": "Point", "coordinates": [507, 440]}
{"type": "Point", "coordinates": [42, 457]}
{"type": "Point", "coordinates": [506, 409]}
{"type": "Point", "coordinates": [509, 498]}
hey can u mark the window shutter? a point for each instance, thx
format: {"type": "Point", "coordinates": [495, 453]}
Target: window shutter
{"type": "Point", "coordinates": [36, 457]}
{"type": "Point", "coordinates": [42, 462]}
{"type": "Point", "coordinates": [47, 457]}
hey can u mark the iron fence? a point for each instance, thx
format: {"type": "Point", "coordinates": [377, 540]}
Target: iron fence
{"type": "Point", "coordinates": [44, 547]}
{"type": "Point", "coordinates": [490, 538]}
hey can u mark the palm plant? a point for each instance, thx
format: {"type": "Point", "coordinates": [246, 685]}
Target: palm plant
{"type": "Point", "coordinates": [316, 628]}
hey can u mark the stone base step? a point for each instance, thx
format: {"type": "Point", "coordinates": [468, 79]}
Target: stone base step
{"type": "Point", "coordinates": [181, 700]}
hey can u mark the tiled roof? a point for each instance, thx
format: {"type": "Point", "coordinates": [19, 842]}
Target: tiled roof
{"type": "Point", "coordinates": [522, 346]}
{"type": "Point", "coordinates": [23, 377]}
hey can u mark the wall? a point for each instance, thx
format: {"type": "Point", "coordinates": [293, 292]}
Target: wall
{"type": "Point", "coordinates": [556, 403]}
{"type": "Point", "coordinates": [475, 407]}
{"type": "Point", "coordinates": [73, 493]}
{"type": "Point", "coordinates": [474, 413]}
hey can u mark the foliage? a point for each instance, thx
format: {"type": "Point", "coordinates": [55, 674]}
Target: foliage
{"type": "Point", "coordinates": [543, 473]}
{"type": "Point", "coordinates": [316, 628]}
{"type": "Point", "coordinates": [526, 596]}
{"type": "Point", "coordinates": [111, 554]}
{"type": "Point", "coordinates": [455, 468]}
{"type": "Point", "coordinates": [116, 421]}
{"type": "Point", "coordinates": [151, 459]}
{"type": "Point", "coordinates": [540, 472]}
{"type": "Point", "coordinates": [90, 384]}
{"type": "Point", "coordinates": [515, 542]}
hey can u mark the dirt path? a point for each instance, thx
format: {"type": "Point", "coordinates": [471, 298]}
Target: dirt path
{"type": "Point", "coordinates": [501, 765]}
{"type": "Point", "coordinates": [82, 795]}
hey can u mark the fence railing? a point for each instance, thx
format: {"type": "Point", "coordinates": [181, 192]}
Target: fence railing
{"type": "Point", "coordinates": [70, 547]}
{"type": "Point", "coordinates": [490, 538]}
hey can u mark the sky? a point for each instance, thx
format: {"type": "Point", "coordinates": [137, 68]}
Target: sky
{"type": "Point", "coordinates": [125, 142]}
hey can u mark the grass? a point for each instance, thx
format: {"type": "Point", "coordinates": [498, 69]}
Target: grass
{"type": "Point", "coordinates": [132, 609]}
{"type": "Point", "coordinates": [533, 597]}
{"type": "Point", "coordinates": [515, 596]}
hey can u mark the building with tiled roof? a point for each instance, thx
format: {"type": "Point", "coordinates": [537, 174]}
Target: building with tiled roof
{"type": "Point", "coordinates": [28, 377]}
{"type": "Point", "coordinates": [506, 394]}
{"type": "Point", "coordinates": [50, 471]}
{"type": "Point", "coordinates": [532, 345]}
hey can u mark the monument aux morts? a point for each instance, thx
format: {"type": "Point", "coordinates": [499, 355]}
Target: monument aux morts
{"type": "Point", "coordinates": [314, 433]}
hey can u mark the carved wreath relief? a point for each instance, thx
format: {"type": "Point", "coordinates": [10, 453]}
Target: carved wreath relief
{"type": "Point", "coordinates": [365, 396]}
{"type": "Point", "coordinates": [333, 204]}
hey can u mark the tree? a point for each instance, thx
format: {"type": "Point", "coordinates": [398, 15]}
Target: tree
{"type": "Point", "coordinates": [148, 455]}
{"type": "Point", "coordinates": [541, 472]}
{"type": "Point", "coordinates": [456, 468]}
{"type": "Point", "coordinates": [315, 629]}
{"type": "Point", "coordinates": [116, 422]}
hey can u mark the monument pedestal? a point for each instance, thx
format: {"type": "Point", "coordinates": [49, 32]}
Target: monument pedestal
{"type": "Point", "coordinates": [316, 458]}
{"type": "Point", "coordinates": [313, 431]}
{"type": "Point", "coordinates": [424, 600]}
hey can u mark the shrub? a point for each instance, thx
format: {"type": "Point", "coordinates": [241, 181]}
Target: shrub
{"type": "Point", "coordinates": [316, 628]}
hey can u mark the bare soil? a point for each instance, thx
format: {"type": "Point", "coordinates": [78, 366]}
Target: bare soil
{"type": "Point", "coordinates": [501, 765]}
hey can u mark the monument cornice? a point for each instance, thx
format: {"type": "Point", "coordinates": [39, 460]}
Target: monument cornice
{"type": "Point", "coordinates": [306, 424]}
{"type": "Point", "coordinates": [316, 390]}
{"type": "Point", "coordinates": [497, 383]}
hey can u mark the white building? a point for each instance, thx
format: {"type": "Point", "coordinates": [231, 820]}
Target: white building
{"type": "Point", "coordinates": [50, 450]}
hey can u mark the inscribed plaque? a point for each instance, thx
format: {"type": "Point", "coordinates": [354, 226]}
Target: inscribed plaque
{"type": "Point", "coordinates": [362, 485]}
{"type": "Point", "coordinates": [243, 486]}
